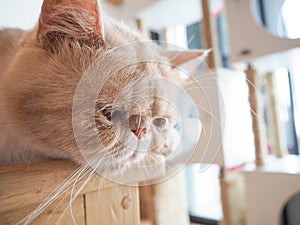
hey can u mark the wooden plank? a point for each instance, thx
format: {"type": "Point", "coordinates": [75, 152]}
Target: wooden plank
{"type": "Point", "coordinates": [147, 203]}
{"type": "Point", "coordinates": [60, 213]}
{"type": "Point", "coordinates": [114, 206]}
{"type": "Point", "coordinates": [24, 187]}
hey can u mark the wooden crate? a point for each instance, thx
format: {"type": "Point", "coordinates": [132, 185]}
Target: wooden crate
{"type": "Point", "coordinates": [100, 202]}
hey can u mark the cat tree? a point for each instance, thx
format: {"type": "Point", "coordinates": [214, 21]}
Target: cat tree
{"type": "Point", "coordinates": [273, 180]}
{"type": "Point", "coordinates": [256, 52]}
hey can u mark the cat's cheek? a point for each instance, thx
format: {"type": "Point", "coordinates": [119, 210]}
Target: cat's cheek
{"type": "Point", "coordinates": [173, 141]}
{"type": "Point", "coordinates": [136, 149]}
{"type": "Point", "coordinates": [79, 159]}
{"type": "Point", "coordinates": [137, 157]}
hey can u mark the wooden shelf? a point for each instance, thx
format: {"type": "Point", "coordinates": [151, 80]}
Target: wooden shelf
{"type": "Point", "coordinates": [24, 187]}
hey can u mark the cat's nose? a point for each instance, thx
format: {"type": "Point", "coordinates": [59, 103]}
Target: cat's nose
{"type": "Point", "coordinates": [137, 126]}
{"type": "Point", "coordinates": [139, 132]}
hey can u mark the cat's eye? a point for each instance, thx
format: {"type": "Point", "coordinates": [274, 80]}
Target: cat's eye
{"type": "Point", "coordinates": [106, 112]}
{"type": "Point", "coordinates": [160, 122]}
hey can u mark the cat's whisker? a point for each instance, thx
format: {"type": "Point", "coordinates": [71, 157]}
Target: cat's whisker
{"type": "Point", "coordinates": [53, 196]}
{"type": "Point", "coordinates": [214, 118]}
{"type": "Point", "coordinates": [73, 197]}
{"type": "Point", "coordinates": [191, 38]}
{"type": "Point", "coordinates": [99, 163]}
{"type": "Point", "coordinates": [87, 172]}
{"type": "Point", "coordinates": [139, 118]}
{"type": "Point", "coordinates": [203, 84]}
{"type": "Point", "coordinates": [56, 207]}
{"type": "Point", "coordinates": [149, 161]}
{"type": "Point", "coordinates": [196, 88]}
{"type": "Point", "coordinates": [80, 176]}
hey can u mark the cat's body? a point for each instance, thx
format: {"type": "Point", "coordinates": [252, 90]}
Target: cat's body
{"type": "Point", "coordinates": [11, 147]}
{"type": "Point", "coordinates": [40, 71]}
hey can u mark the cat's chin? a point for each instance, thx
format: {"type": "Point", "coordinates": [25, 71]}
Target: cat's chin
{"type": "Point", "coordinates": [132, 158]}
{"type": "Point", "coordinates": [147, 167]}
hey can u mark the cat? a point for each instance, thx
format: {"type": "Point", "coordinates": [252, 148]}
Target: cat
{"type": "Point", "coordinates": [41, 69]}
{"type": "Point", "coordinates": [43, 107]}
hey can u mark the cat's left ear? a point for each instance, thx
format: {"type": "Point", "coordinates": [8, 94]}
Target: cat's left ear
{"type": "Point", "coordinates": [79, 20]}
{"type": "Point", "coordinates": [177, 58]}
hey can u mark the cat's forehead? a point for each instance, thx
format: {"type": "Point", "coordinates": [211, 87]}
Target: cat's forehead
{"type": "Point", "coordinates": [143, 88]}
{"type": "Point", "coordinates": [152, 106]}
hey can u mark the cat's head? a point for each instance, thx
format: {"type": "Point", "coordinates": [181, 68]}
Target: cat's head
{"type": "Point", "coordinates": [133, 115]}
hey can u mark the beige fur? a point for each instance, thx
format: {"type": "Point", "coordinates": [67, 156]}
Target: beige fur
{"type": "Point", "coordinates": [40, 71]}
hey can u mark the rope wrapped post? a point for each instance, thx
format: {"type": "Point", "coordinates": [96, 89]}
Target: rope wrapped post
{"type": "Point", "coordinates": [233, 197]}
{"type": "Point", "coordinates": [257, 115]}
{"type": "Point", "coordinates": [141, 27]}
{"type": "Point", "coordinates": [210, 35]}
{"type": "Point", "coordinates": [165, 202]}
{"type": "Point", "coordinates": [166, 38]}
{"type": "Point", "coordinates": [277, 135]}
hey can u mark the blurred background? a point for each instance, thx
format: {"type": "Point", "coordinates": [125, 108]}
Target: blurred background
{"type": "Point", "coordinates": [254, 177]}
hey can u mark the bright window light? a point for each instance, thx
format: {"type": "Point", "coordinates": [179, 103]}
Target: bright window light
{"type": "Point", "coordinates": [291, 18]}
{"type": "Point", "coordinates": [283, 89]}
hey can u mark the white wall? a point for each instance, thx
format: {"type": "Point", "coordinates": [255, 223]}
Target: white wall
{"type": "Point", "coordinates": [25, 13]}
{"type": "Point", "coordinates": [272, 13]}
{"type": "Point", "coordinates": [269, 187]}
{"type": "Point", "coordinates": [22, 14]}
{"type": "Point", "coordinates": [238, 139]}
{"type": "Point", "coordinates": [169, 13]}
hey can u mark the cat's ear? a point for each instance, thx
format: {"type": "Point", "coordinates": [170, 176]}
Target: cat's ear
{"type": "Point", "coordinates": [177, 58]}
{"type": "Point", "coordinates": [79, 20]}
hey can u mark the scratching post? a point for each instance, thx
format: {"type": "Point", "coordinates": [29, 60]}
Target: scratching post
{"type": "Point", "coordinates": [210, 35]}
{"type": "Point", "coordinates": [232, 189]}
{"type": "Point", "coordinates": [165, 37]}
{"type": "Point", "coordinates": [233, 198]}
{"type": "Point", "coordinates": [277, 135]}
{"type": "Point", "coordinates": [165, 202]}
{"type": "Point", "coordinates": [257, 115]}
{"type": "Point", "coordinates": [141, 28]}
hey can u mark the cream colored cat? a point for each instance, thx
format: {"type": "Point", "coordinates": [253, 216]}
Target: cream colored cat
{"type": "Point", "coordinates": [41, 69]}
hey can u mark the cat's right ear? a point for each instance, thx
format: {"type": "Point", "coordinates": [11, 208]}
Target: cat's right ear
{"type": "Point", "coordinates": [177, 58]}
{"type": "Point", "coordinates": [79, 20]}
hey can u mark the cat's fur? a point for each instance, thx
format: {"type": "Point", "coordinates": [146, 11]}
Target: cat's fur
{"type": "Point", "coordinates": [40, 71]}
